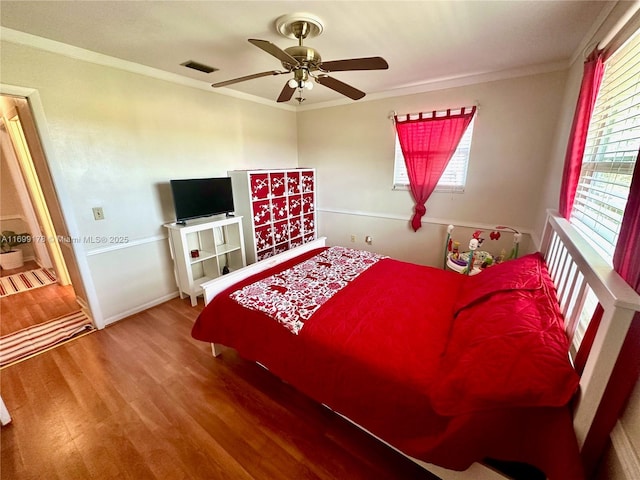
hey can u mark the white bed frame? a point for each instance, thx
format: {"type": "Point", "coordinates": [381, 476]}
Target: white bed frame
{"type": "Point", "coordinates": [575, 268]}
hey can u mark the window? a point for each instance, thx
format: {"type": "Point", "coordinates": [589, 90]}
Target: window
{"type": "Point", "coordinates": [455, 175]}
{"type": "Point", "coordinates": [611, 151]}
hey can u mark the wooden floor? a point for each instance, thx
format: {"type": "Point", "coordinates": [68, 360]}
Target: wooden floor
{"type": "Point", "coordinates": [141, 399]}
{"type": "Point", "coordinates": [32, 307]}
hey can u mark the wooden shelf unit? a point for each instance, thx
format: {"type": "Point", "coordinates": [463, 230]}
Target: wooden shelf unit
{"type": "Point", "coordinates": [219, 243]}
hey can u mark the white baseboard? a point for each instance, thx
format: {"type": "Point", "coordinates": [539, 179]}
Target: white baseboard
{"type": "Point", "coordinates": [139, 308]}
{"type": "Point", "coordinates": [624, 453]}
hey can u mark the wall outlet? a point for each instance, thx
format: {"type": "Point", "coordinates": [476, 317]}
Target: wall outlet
{"type": "Point", "coordinates": [98, 214]}
{"type": "Point", "coordinates": [368, 240]}
{"type": "Point", "coordinates": [353, 238]}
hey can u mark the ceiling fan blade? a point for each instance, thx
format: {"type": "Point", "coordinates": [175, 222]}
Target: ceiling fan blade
{"type": "Point", "coordinates": [368, 63]}
{"type": "Point", "coordinates": [247, 77]}
{"type": "Point", "coordinates": [286, 93]}
{"type": "Point", "coordinates": [274, 50]}
{"type": "Point", "coordinates": [341, 87]}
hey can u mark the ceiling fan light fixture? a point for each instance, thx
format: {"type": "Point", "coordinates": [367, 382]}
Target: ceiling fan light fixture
{"type": "Point", "coordinates": [293, 83]}
{"type": "Point", "coordinates": [308, 85]}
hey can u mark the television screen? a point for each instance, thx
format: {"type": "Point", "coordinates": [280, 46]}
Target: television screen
{"type": "Point", "coordinates": [201, 197]}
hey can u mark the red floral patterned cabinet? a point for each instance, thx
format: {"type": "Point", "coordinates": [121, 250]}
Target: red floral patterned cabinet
{"type": "Point", "coordinates": [278, 207]}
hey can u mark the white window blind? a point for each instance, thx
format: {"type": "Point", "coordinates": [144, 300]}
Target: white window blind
{"type": "Point", "coordinates": [455, 175]}
{"type": "Point", "coordinates": [611, 150]}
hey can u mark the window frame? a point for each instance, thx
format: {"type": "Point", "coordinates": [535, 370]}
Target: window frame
{"type": "Point", "coordinates": [459, 161]}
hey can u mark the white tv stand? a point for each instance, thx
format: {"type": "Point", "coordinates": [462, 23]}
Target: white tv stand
{"type": "Point", "coordinates": [202, 249]}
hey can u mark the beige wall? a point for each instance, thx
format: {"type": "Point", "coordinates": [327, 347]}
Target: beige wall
{"type": "Point", "coordinates": [9, 202]}
{"type": "Point", "coordinates": [116, 138]}
{"type": "Point", "coordinates": [550, 188]}
{"type": "Point", "coordinates": [352, 148]}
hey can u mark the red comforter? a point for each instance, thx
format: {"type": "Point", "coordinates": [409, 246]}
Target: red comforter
{"type": "Point", "coordinates": [447, 368]}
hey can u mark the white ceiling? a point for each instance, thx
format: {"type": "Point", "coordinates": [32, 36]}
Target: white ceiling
{"type": "Point", "coordinates": [424, 42]}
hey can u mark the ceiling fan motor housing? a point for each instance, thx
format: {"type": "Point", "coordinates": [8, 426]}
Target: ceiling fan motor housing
{"type": "Point", "coordinates": [306, 56]}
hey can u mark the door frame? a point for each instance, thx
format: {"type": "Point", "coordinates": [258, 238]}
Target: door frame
{"type": "Point", "coordinates": [55, 169]}
{"type": "Point", "coordinates": [41, 250]}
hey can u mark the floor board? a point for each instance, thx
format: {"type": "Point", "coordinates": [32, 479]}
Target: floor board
{"type": "Point", "coordinates": [141, 399]}
{"type": "Point", "coordinates": [32, 307]}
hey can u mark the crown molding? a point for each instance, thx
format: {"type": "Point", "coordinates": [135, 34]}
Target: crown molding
{"type": "Point", "coordinates": [449, 82]}
{"type": "Point", "coordinates": [52, 46]}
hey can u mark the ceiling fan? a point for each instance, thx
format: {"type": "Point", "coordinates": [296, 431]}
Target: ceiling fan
{"type": "Point", "coordinates": [305, 62]}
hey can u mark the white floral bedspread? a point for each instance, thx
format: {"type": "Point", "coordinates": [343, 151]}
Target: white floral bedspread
{"type": "Point", "coordinates": [292, 296]}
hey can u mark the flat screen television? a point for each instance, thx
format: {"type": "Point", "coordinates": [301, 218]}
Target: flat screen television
{"type": "Point", "coordinates": [201, 197]}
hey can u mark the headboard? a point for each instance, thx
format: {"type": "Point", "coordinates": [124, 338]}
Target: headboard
{"type": "Point", "coordinates": [576, 269]}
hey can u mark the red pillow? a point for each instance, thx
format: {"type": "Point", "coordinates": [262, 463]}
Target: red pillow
{"type": "Point", "coordinates": [507, 347]}
{"type": "Point", "coordinates": [524, 273]}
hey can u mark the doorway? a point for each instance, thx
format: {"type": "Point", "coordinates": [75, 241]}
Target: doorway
{"type": "Point", "coordinates": [30, 205]}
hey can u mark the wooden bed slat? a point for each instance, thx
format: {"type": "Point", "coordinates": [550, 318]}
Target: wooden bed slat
{"type": "Point", "coordinates": [563, 279]}
{"type": "Point", "coordinates": [574, 310]}
{"type": "Point", "coordinates": [567, 289]}
{"type": "Point", "coordinates": [552, 256]}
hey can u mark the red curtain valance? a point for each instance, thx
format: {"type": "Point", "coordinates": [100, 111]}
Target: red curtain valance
{"type": "Point", "coordinates": [428, 142]}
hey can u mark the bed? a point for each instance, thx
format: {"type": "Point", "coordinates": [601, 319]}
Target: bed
{"type": "Point", "coordinates": [432, 362]}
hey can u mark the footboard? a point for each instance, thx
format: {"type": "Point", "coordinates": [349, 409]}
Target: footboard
{"type": "Point", "coordinates": [577, 270]}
